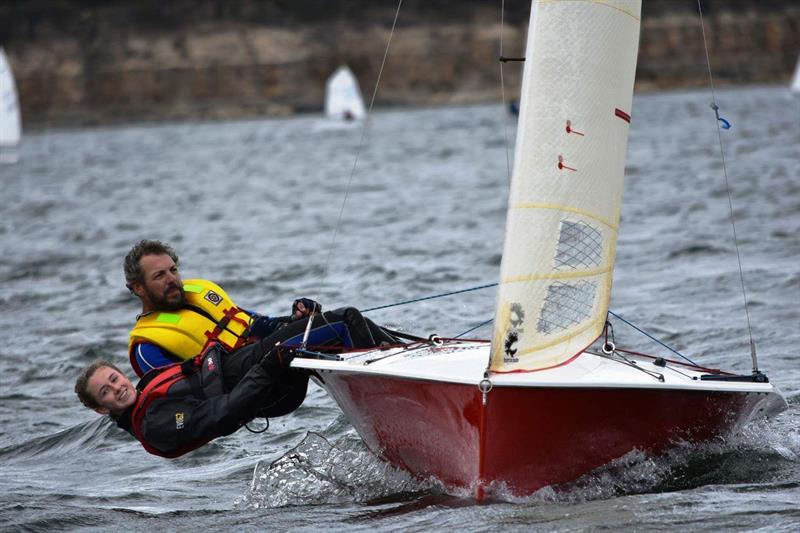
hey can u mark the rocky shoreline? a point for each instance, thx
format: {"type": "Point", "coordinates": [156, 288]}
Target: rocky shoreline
{"type": "Point", "coordinates": [90, 65]}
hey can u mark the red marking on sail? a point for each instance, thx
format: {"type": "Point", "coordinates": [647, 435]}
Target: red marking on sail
{"type": "Point", "coordinates": [622, 114]}
{"type": "Point", "coordinates": [570, 130]}
{"type": "Point", "coordinates": [562, 166]}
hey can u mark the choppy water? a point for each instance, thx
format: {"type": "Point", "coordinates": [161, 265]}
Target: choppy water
{"type": "Point", "coordinates": [253, 205]}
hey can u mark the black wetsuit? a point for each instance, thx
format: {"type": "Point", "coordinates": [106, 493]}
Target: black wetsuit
{"type": "Point", "coordinates": [183, 406]}
{"type": "Point", "coordinates": [345, 327]}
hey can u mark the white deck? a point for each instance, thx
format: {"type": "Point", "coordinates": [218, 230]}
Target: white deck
{"type": "Point", "coordinates": [466, 363]}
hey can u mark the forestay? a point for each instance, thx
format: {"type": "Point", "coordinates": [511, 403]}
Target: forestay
{"type": "Point", "coordinates": [566, 188]}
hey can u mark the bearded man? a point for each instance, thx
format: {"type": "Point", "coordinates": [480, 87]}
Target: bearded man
{"type": "Point", "coordinates": [181, 318]}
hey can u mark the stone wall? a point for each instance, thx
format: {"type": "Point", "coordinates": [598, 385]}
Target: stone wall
{"type": "Point", "coordinates": [77, 63]}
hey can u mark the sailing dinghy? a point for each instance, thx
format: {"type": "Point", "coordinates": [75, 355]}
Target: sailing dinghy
{"type": "Point", "coordinates": [538, 405]}
{"type": "Point", "coordinates": [343, 97]}
{"type": "Point", "coordinates": [10, 123]}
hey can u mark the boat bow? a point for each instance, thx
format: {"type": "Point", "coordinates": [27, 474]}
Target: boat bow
{"type": "Point", "coordinates": [428, 409]}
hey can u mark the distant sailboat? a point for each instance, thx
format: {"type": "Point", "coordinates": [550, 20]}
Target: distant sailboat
{"type": "Point", "coordinates": [10, 124]}
{"type": "Point", "coordinates": [343, 97]}
{"type": "Point", "coordinates": [796, 78]}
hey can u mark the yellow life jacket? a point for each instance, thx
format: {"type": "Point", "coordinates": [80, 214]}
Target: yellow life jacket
{"type": "Point", "coordinates": [209, 315]}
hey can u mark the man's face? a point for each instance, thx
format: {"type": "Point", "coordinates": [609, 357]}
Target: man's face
{"type": "Point", "coordinates": [112, 390]}
{"type": "Point", "coordinates": [162, 289]}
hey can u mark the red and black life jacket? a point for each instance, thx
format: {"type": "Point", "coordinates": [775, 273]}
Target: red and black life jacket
{"type": "Point", "coordinates": [200, 377]}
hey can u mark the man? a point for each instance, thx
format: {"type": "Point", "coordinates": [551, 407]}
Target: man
{"type": "Point", "coordinates": [179, 319]}
{"type": "Point", "coordinates": [178, 408]}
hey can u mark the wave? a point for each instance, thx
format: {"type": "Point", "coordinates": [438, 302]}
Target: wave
{"type": "Point", "coordinates": [762, 453]}
{"type": "Point", "coordinates": [318, 471]}
{"type": "Point", "coordinates": [696, 249]}
{"type": "Point", "coordinates": [89, 436]}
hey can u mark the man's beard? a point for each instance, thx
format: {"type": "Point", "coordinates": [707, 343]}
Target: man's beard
{"type": "Point", "coordinates": [162, 303]}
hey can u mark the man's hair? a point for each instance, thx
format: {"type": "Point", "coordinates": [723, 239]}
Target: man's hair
{"type": "Point", "coordinates": [82, 383]}
{"type": "Point", "coordinates": [133, 270]}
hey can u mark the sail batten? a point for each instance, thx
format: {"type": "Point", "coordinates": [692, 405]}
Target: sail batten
{"type": "Point", "coordinates": [566, 188]}
{"type": "Point", "coordinates": [611, 225]}
{"type": "Point", "coordinates": [557, 275]}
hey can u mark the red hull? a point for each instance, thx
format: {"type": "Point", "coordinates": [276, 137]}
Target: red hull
{"type": "Point", "coordinates": [526, 437]}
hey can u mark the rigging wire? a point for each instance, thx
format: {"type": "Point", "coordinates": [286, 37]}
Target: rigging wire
{"type": "Point", "coordinates": [643, 332]}
{"type": "Point", "coordinates": [506, 120]}
{"type": "Point", "coordinates": [429, 297]}
{"type": "Point", "coordinates": [503, 92]}
{"type": "Point", "coordinates": [361, 141]}
{"type": "Point", "coordinates": [715, 107]}
{"type": "Point", "coordinates": [488, 285]}
{"type": "Point", "coordinates": [470, 330]}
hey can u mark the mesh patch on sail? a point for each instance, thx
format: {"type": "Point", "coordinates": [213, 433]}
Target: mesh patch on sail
{"type": "Point", "coordinates": [579, 246]}
{"type": "Point", "coordinates": [566, 305]}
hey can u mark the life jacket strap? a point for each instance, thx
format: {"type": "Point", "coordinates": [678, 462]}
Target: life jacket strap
{"type": "Point", "coordinates": [190, 366]}
{"type": "Point", "coordinates": [158, 383]}
{"type": "Point", "coordinates": [229, 314]}
{"type": "Point", "coordinates": [193, 365]}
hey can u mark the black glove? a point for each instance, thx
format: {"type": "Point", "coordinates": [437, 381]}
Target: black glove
{"type": "Point", "coordinates": [308, 305]}
{"type": "Point", "coordinates": [278, 358]}
{"type": "Point", "coordinates": [263, 326]}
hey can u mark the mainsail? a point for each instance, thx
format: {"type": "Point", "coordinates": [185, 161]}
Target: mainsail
{"type": "Point", "coordinates": [343, 97]}
{"type": "Point", "coordinates": [566, 188]}
{"type": "Point", "coordinates": [10, 125]}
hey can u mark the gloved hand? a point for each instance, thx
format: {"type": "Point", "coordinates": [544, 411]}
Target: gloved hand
{"type": "Point", "coordinates": [264, 326]}
{"type": "Point", "coordinates": [303, 307]}
{"type": "Point", "coordinates": [278, 358]}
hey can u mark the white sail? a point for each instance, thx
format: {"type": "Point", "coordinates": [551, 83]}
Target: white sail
{"type": "Point", "coordinates": [566, 189]}
{"type": "Point", "coordinates": [343, 97]}
{"type": "Point", "coordinates": [796, 78]}
{"type": "Point", "coordinates": [10, 124]}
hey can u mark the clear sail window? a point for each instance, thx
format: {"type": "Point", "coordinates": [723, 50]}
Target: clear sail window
{"type": "Point", "coordinates": [580, 245]}
{"type": "Point", "coordinates": [566, 305]}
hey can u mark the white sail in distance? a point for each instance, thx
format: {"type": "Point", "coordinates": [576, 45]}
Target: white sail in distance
{"type": "Point", "coordinates": [343, 96]}
{"type": "Point", "coordinates": [566, 187]}
{"type": "Point", "coordinates": [10, 122]}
